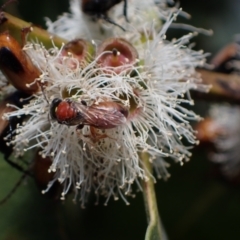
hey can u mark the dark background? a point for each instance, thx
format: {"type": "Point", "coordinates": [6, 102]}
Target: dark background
{"type": "Point", "coordinates": [195, 203]}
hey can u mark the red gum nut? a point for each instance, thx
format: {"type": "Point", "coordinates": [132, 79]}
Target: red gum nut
{"type": "Point", "coordinates": [120, 54]}
{"type": "Point", "coordinates": [40, 170]}
{"type": "Point", "coordinates": [78, 49]}
{"type": "Point", "coordinates": [16, 65]}
{"type": "Point", "coordinates": [42, 176]}
{"type": "Point", "coordinates": [65, 112]}
{"type": "Point", "coordinates": [208, 130]}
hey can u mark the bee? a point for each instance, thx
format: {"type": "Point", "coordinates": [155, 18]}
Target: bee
{"type": "Point", "coordinates": [103, 115]}
{"type": "Point", "coordinates": [99, 8]}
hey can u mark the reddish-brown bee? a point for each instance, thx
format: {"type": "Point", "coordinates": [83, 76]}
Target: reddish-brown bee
{"type": "Point", "coordinates": [99, 8]}
{"type": "Point", "coordinates": [103, 115]}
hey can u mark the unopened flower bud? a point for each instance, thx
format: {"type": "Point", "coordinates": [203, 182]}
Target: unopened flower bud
{"type": "Point", "coordinates": [223, 60]}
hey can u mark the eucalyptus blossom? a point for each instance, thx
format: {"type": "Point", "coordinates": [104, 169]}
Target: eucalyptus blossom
{"type": "Point", "coordinates": [148, 76]}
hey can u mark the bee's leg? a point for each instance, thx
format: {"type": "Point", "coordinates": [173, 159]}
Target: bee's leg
{"type": "Point", "coordinates": [78, 128]}
{"type": "Point", "coordinates": [95, 136]}
{"type": "Point", "coordinates": [125, 10]}
{"type": "Point", "coordinates": [107, 19]}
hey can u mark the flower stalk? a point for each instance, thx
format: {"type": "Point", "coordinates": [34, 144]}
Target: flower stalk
{"type": "Point", "coordinates": [154, 230]}
{"type": "Point", "coordinates": [14, 25]}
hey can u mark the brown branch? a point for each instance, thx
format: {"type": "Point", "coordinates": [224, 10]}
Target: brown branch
{"type": "Point", "coordinates": [223, 86]}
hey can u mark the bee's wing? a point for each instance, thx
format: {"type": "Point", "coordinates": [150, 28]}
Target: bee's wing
{"type": "Point", "coordinates": [103, 117]}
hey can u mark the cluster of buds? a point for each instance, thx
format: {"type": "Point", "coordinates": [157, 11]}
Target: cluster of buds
{"type": "Point", "coordinates": [93, 109]}
{"type": "Point", "coordinates": [220, 129]}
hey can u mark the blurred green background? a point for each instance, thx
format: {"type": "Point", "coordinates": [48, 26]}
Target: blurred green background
{"type": "Point", "coordinates": [194, 203]}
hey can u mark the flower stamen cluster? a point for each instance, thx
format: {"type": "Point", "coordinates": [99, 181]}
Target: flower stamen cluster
{"type": "Point", "coordinates": [125, 100]}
